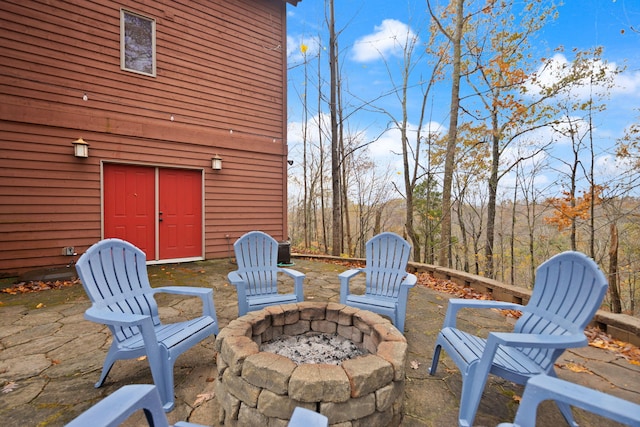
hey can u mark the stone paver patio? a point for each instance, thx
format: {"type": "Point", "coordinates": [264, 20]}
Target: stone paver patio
{"type": "Point", "coordinates": [50, 357]}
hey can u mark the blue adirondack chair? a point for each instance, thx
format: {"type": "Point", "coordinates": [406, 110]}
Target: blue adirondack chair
{"type": "Point", "coordinates": [302, 417]}
{"type": "Point", "coordinates": [568, 290]}
{"type": "Point", "coordinates": [114, 275]}
{"type": "Point", "coordinates": [387, 282]}
{"type": "Point", "coordinates": [256, 279]}
{"type": "Point", "coordinates": [544, 387]}
{"type": "Point", "coordinates": [116, 408]}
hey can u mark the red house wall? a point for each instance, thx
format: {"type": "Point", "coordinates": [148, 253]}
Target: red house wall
{"type": "Point", "coordinates": [220, 89]}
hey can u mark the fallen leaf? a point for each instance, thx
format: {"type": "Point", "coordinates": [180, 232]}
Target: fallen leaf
{"type": "Point", "coordinates": [9, 387]}
{"type": "Point", "coordinates": [204, 397]}
{"type": "Point", "coordinates": [517, 398]}
{"type": "Point", "coordinates": [574, 367]}
{"type": "Point", "coordinates": [415, 364]}
{"type": "Point", "coordinates": [37, 286]}
{"type": "Point", "coordinates": [40, 305]}
{"type": "Point", "coordinates": [141, 358]}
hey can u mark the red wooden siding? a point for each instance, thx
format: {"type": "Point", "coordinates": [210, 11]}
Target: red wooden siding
{"type": "Point", "coordinates": [220, 76]}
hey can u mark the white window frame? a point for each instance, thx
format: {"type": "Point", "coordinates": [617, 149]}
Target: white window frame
{"type": "Point", "coordinates": [145, 69]}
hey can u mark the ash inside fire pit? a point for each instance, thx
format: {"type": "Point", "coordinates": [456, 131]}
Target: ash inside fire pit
{"type": "Point", "coordinates": [313, 348]}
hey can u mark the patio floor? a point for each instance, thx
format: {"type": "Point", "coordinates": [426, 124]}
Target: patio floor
{"type": "Point", "coordinates": [50, 357]}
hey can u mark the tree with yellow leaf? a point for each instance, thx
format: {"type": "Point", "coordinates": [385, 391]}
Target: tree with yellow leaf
{"type": "Point", "coordinates": [568, 209]}
{"type": "Point", "coordinates": [501, 53]}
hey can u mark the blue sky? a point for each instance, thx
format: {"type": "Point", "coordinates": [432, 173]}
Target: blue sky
{"type": "Point", "coordinates": [367, 35]}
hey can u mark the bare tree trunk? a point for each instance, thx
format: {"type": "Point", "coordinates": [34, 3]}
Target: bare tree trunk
{"type": "Point", "coordinates": [616, 305]}
{"type": "Point", "coordinates": [323, 212]}
{"type": "Point", "coordinates": [493, 193]}
{"type": "Point", "coordinates": [464, 238]}
{"type": "Point", "coordinates": [512, 249]}
{"type": "Point", "coordinates": [306, 197]}
{"type": "Point", "coordinates": [449, 163]}
{"type": "Point", "coordinates": [344, 165]}
{"type": "Point", "coordinates": [336, 244]}
{"type": "Point", "coordinates": [592, 207]}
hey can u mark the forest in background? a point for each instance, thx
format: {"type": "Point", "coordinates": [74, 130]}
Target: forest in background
{"type": "Point", "coordinates": [469, 195]}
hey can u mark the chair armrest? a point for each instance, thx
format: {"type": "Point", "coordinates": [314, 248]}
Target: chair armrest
{"type": "Point", "coordinates": [345, 277]}
{"type": "Point", "coordinates": [410, 280]}
{"type": "Point", "coordinates": [539, 340]}
{"type": "Point", "coordinates": [298, 280]}
{"type": "Point", "coordinates": [241, 290]}
{"type": "Point", "coordinates": [235, 279]}
{"type": "Point", "coordinates": [205, 294]}
{"type": "Point", "coordinates": [479, 377]}
{"type": "Point", "coordinates": [107, 317]}
{"type": "Point", "coordinates": [143, 322]}
{"type": "Point", "coordinates": [184, 290]}
{"type": "Point", "coordinates": [119, 405]}
{"type": "Point", "coordinates": [456, 304]}
{"type": "Point", "coordinates": [544, 387]}
{"type": "Point", "coordinates": [291, 273]}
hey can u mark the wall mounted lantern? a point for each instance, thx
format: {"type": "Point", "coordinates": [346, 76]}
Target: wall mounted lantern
{"type": "Point", "coordinates": [80, 148]}
{"type": "Point", "coordinates": [216, 163]}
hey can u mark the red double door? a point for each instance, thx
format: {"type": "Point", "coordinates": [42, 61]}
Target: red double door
{"type": "Point", "coordinates": [157, 209]}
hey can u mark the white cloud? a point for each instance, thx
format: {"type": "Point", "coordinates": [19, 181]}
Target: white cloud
{"type": "Point", "coordinates": [628, 83]}
{"type": "Point", "coordinates": [390, 143]}
{"type": "Point", "coordinates": [385, 150]}
{"type": "Point", "coordinates": [559, 67]}
{"type": "Point", "coordinates": [388, 39]}
{"type": "Point", "coordinates": [608, 167]}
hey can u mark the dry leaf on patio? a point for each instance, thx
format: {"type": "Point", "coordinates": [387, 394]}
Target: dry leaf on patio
{"type": "Point", "coordinates": [141, 358]}
{"type": "Point", "coordinates": [599, 344]}
{"type": "Point", "coordinates": [9, 387]}
{"type": "Point", "coordinates": [574, 367]}
{"type": "Point", "coordinates": [38, 285]}
{"type": "Point", "coordinates": [415, 364]}
{"type": "Point", "coordinates": [204, 397]}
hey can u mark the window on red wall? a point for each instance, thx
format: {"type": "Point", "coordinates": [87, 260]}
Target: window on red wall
{"type": "Point", "coordinates": [137, 43]}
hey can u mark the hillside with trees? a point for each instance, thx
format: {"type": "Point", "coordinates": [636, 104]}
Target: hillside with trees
{"type": "Point", "coordinates": [473, 194]}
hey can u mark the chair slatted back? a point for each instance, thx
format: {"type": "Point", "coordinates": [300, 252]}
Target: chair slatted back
{"type": "Point", "coordinates": [568, 290]}
{"type": "Point", "coordinates": [387, 257]}
{"type": "Point", "coordinates": [257, 258]}
{"type": "Point", "coordinates": [114, 275]}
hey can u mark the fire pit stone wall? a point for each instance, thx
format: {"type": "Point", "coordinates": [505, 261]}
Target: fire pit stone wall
{"type": "Point", "coordinates": [260, 388]}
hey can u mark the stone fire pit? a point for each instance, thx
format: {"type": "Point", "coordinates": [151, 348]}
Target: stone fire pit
{"type": "Point", "coordinates": [255, 387]}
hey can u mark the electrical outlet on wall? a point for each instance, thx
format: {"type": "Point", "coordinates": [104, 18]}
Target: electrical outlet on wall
{"type": "Point", "coordinates": [68, 251]}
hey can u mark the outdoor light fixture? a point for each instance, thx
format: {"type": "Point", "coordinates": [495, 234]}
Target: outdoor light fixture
{"type": "Point", "coordinates": [216, 163]}
{"type": "Point", "coordinates": [80, 148]}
